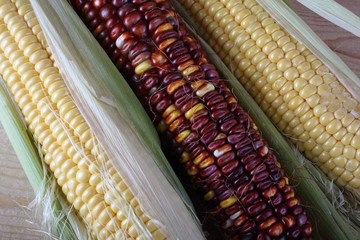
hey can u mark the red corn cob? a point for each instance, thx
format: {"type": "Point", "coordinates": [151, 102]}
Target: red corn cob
{"type": "Point", "coordinates": [219, 146]}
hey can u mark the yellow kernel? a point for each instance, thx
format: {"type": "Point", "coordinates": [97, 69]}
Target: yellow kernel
{"type": "Point", "coordinates": [299, 129]}
{"type": "Point", "coordinates": [324, 157]}
{"type": "Point", "coordinates": [304, 67]}
{"type": "Point", "coordinates": [230, 26]}
{"type": "Point", "coordinates": [282, 41]}
{"type": "Point", "coordinates": [329, 165]}
{"type": "Point", "coordinates": [313, 101]}
{"type": "Point", "coordinates": [340, 113]}
{"type": "Point", "coordinates": [302, 109]}
{"type": "Point", "coordinates": [282, 109]}
{"type": "Point", "coordinates": [271, 67]}
{"type": "Point", "coordinates": [241, 15]}
{"type": "Point", "coordinates": [287, 91]}
{"type": "Point", "coordinates": [346, 176]}
{"type": "Point", "coordinates": [246, 45]}
{"type": "Point", "coordinates": [248, 21]}
{"type": "Point", "coordinates": [315, 132]}
{"type": "Point", "coordinates": [257, 33]}
{"type": "Point", "coordinates": [271, 95]}
{"type": "Point", "coordinates": [316, 64]}
{"type": "Point", "coordinates": [209, 195]}
{"type": "Point", "coordinates": [289, 47]}
{"type": "Point", "coordinates": [327, 117]}
{"type": "Point", "coordinates": [323, 138]}
{"type": "Point", "coordinates": [277, 35]}
{"type": "Point", "coordinates": [350, 104]}
{"type": "Point", "coordinates": [263, 40]}
{"type": "Point", "coordinates": [354, 126]}
{"type": "Point", "coordinates": [288, 116]}
{"type": "Point", "coordinates": [279, 83]}
{"type": "Point", "coordinates": [295, 102]}
{"type": "Point", "coordinates": [179, 138]}
{"type": "Point", "coordinates": [308, 91]}
{"type": "Point", "coordinates": [271, 28]}
{"type": "Point", "coordinates": [291, 74]}
{"type": "Point", "coordinates": [292, 54]}
{"type": "Point", "coordinates": [274, 76]}
{"type": "Point", "coordinates": [83, 176]}
{"type": "Point", "coordinates": [185, 156]}
{"type": "Point", "coordinates": [194, 109]}
{"type": "Point", "coordinates": [319, 110]}
{"type": "Point", "coordinates": [201, 91]}
{"type": "Point", "coordinates": [289, 95]}
{"type": "Point", "coordinates": [277, 102]}
{"type": "Point", "coordinates": [299, 84]}
{"type": "Point", "coordinates": [237, 7]}
{"type": "Point", "coordinates": [351, 164]}
{"type": "Point", "coordinates": [308, 74]}
{"type": "Point", "coordinates": [267, 21]}
{"type": "Point", "coordinates": [172, 116]}
{"type": "Point", "coordinates": [333, 126]}
{"type": "Point", "coordinates": [298, 60]}
{"type": "Point", "coordinates": [142, 67]}
{"type": "Point", "coordinates": [214, 8]}
{"type": "Point", "coordinates": [168, 110]}
{"type": "Point", "coordinates": [293, 123]}
{"type": "Point", "coordinates": [252, 51]}
{"type": "Point", "coordinates": [206, 162]}
{"type": "Point", "coordinates": [276, 55]}
{"type": "Point", "coordinates": [337, 150]}
{"type": "Point", "coordinates": [309, 146]}
{"type": "Point", "coordinates": [283, 64]}
{"type": "Point", "coordinates": [347, 120]}
{"type": "Point", "coordinates": [228, 202]}
{"type": "Point", "coordinates": [329, 144]}
{"type": "Point", "coordinates": [355, 142]}
{"type": "Point", "coordinates": [354, 183]}
{"type": "Point", "coordinates": [357, 173]}
{"type": "Point", "coordinates": [334, 105]}
{"type": "Point", "coordinates": [345, 137]}
{"type": "Point", "coordinates": [253, 29]}
{"type": "Point", "coordinates": [349, 152]}
{"type": "Point", "coordinates": [270, 47]}
{"type": "Point", "coordinates": [317, 150]}
{"type": "Point", "coordinates": [324, 89]}
{"type": "Point", "coordinates": [337, 171]}
{"type": "Point", "coordinates": [223, 18]}
{"type": "Point", "coordinates": [311, 123]}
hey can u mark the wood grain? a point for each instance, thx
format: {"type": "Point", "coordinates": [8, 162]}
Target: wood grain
{"type": "Point", "coordinates": [15, 189]}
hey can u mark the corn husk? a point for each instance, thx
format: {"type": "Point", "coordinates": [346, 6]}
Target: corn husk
{"type": "Point", "coordinates": [317, 192]}
{"type": "Point", "coordinates": [117, 119]}
{"type": "Point", "coordinates": [335, 13]}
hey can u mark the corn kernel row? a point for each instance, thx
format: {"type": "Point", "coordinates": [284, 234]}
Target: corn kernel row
{"type": "Point", "coordinates": [68, 145]}
{"type": "Point", "coordinates": [295, 89]}
{"type": "Point", "coordinates": [217, 143]}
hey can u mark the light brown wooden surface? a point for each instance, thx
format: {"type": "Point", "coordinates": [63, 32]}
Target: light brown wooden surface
{"type": "Point", "coordinates": [15, 189]}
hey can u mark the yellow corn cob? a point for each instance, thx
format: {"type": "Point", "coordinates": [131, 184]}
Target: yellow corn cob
{"type": "Point", "coordinates": [295, 89]}
{"type": "Point", "coordinates": [73, 154]}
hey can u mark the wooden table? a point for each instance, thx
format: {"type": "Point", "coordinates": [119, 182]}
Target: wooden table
{"type": "Point", "coordinates": [17, 222]}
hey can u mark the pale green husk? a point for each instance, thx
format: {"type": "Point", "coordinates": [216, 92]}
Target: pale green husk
{"type": "Point", "coordinates": [57, 220]}
{"type": "Point", "coordinates": [335, 13]}
{"type": "Point", "coordinates": [311, 184]}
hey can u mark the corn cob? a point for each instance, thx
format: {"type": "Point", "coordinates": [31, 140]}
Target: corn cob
{"type": "Point", "coordinates": [295, 89]}
{"type": "Point", "coordinates": [73, 154]}
{"type": "Point", "coordinates": [218, 145]}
